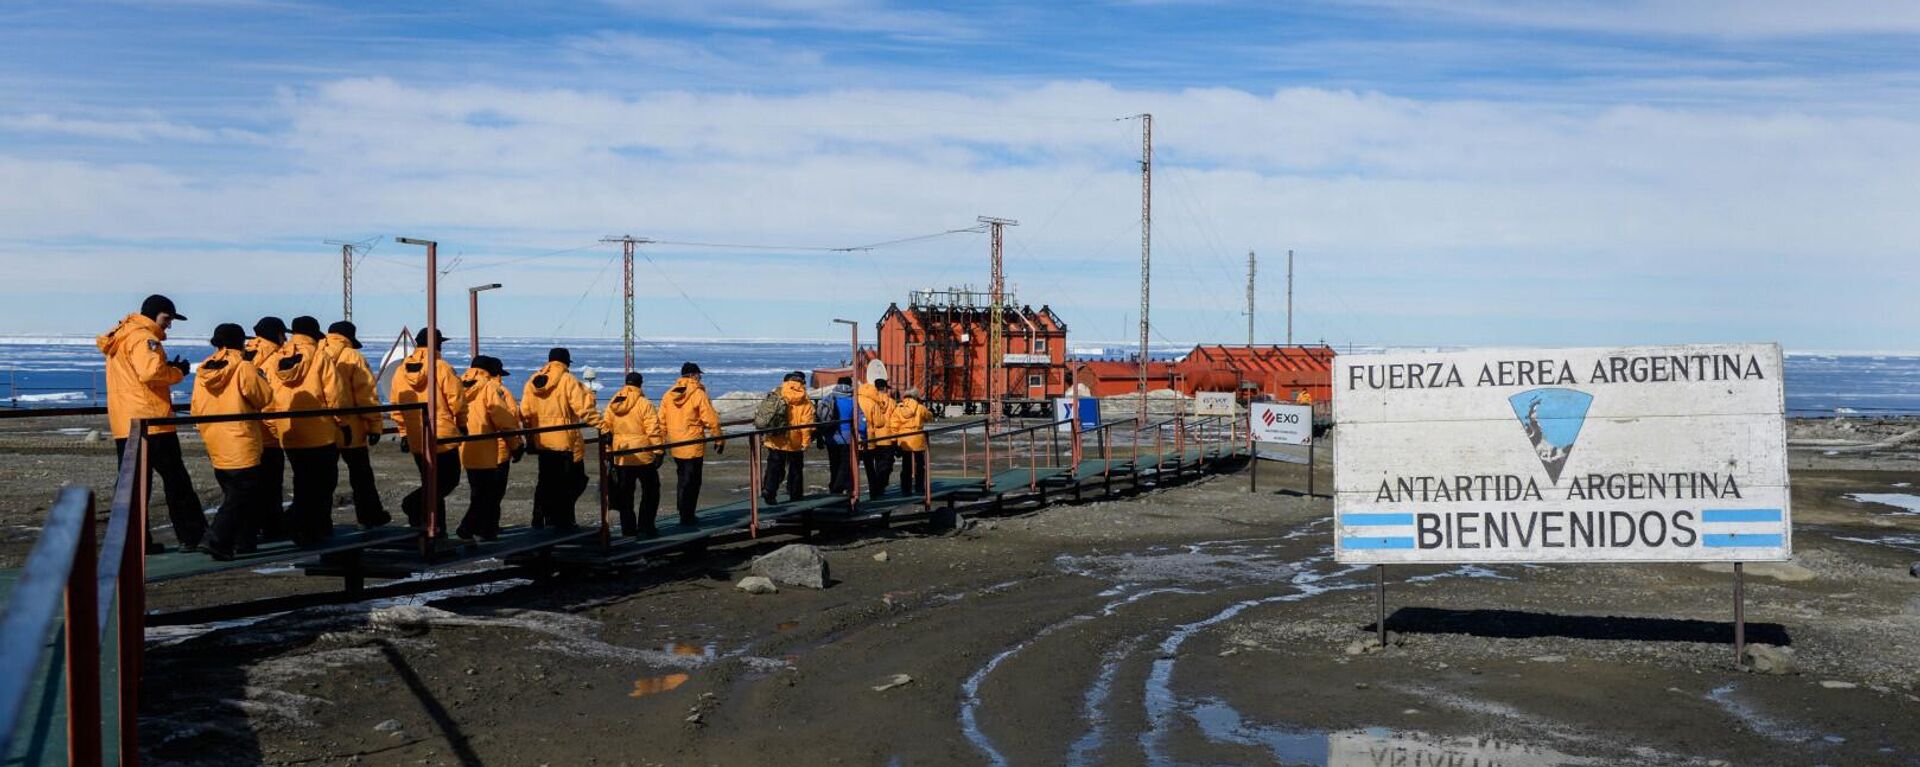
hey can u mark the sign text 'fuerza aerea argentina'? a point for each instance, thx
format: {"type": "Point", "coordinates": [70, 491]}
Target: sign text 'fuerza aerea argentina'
{"type": "Point", "coordinates": [1647, 454]}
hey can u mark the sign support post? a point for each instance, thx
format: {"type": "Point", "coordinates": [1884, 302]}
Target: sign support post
{"type": "Point", "coordinates": [1253, 471]}
{"type": "Point", "coordinates": [1739, 614]}
{"type": "Point", "coordinates": [1380, 597]}
{"type": "Point", "coordinates": [1310, 460]}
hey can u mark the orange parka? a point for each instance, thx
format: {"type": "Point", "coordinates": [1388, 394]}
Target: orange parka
{"type": "Point", "coordinates": [261, 352]}
{"type": "Point", "coordinates": [303, 379]}
{"type": "Point", "coordinates": [634, 423]}
{"type": "Point", "coordinates": [139, 380]}
{"type": "Point", "coordinates": [355, 389]}
{"type": "Point", "coordinates": [553, 397]}
{"type": "Point", "coordinates": [688, 414]}
{"type": "Point", "coordinates": [489, 409]}
{"type": "Point", "coordinates": [227, 384]}
{"type": "Point", "coordinates": [877, 408]}
{"type": "Point", "coordinates": [910, 416]}
{"type": "Point", "coordinates": [799, 413]}
{"type": "Point", "coordinates": [410, 385]}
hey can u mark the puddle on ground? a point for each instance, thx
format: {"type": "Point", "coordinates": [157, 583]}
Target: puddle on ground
{"type": "Point", "coordinates": [654, 685]}
{"type": "Point", "coordinates": [1373, 745]}
{"type": "Point", "coordinates": [1200, 564]}
{"type": "Point", "coordinates": [1905, 502]}
{"type": "Point", "coordinates": [1904, 542]}
{"type": "Point", "coordinates": [682, 649]}
{"type": "Point", "coordinates": [1753, 719]}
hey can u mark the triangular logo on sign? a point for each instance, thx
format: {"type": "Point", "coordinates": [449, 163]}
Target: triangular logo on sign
{"type": "Point", "coordinates": [1552, 418]}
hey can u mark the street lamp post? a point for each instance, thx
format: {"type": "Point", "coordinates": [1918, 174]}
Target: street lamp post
{"type": "Point", "coordinates": [473, 318]}
{"type": "Point", "coordinates": [853, 445]}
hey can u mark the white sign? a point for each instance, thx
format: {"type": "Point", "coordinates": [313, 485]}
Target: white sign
{"type": "Point", "coordinates": [1643, 454]}
{"type": "Point", "coordinates": [1280, 423]}
{"type": "Point", "coordinates": [1213, 403]}
{"type": "Point", "coordinates": [1026, 359]}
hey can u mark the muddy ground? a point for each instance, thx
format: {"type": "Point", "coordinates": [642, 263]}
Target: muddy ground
{"type": "Point", "coordinates": [1198, 624]}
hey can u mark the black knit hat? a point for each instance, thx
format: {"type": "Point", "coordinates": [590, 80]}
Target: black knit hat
{"type": "Point", "coordinates": [420, 338]}
{"type": "Point", "coordinates": [560, 354]}
{"type": "Point", "coordinates": [271, 328]}
{"type": "Point", "coordinates": [635, 379]}
{"type": "Point", "coordinates": [307, 326]}
{"type": "Point", "coordinates": [157, 304]}
{"type": "Point", "coordinates": [228, 335]}
{"type": "Point", "coordinates": [491, 365]}
{"type": "Point", "coordinates": [795, 376]}
{"type": "Point", "coordinates": [690, 369]}
{"type": "Point", "coordinates": [880, 383]}
{"type": "Point", "coordinates": [346, 330]}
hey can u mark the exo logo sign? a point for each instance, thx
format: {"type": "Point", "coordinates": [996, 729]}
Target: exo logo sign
{"type": "Point", "coordinates": [1552, 418]}
{"type": "Point", "coordinates": [1272, 417]}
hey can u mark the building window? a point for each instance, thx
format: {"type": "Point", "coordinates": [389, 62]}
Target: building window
{"type": "Point", "coordinates": [1039, 346]}
{"type": "Point", "coordinates": [1036, 381]}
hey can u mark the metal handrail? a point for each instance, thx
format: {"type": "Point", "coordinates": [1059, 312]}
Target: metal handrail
{"type": "Point", "coordinates": [60, 569]}
{"type": "Point", "coordinates": [56, 412]}
{"type": "Point", "coordinates": [281, 415]}
{"type": "Point", "coordinates": [727, 435]}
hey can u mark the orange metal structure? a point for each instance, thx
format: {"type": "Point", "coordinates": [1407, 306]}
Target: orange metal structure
{"type": "Point", "coordinates": [938, 343]}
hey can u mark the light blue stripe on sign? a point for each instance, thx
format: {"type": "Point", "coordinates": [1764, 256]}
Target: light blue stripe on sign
{"type": "Point", "coordinates": [1377, 543]}
{"type": "Point", "coordinates": [1741, 540]}
{"type": "Point", "coordinates": [1740, 515]}
{"type": "Point", "coordinates": [1377, 519]}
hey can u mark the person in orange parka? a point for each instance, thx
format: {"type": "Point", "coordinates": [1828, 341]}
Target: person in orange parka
{"type": "Point", "coordinates": [786, 449]}
{"type": "Point", "coordinates": [140, 380]}
{"type": "Point", "coordinates": [876, 407]}
{"type": "Point", "coordinates": [910, 416]}
{"type": "Point", "coordinates": [688, 414]}
{"type": "Point", "coordinates": [303, 379]}
{"type": "Point", "coordinates": [553, 397]}
{"type": "Point", "coordinates": [633, 423]}
{"type": "Point", "coordinates": [359, 433]}
{"type": "Point", "coordinates": [269, 334]}
{"type": "Point", "coordinates": [227, 384]}
{"type": "Point", "coordinates": [410, 385]}
{"type": "Point", "coordinates": [489, 409]}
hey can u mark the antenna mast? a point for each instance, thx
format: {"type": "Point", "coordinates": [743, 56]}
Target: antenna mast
{"type": "Point", "coordinates": [1146, 250]}
{"type": "Point", "coordinates": [627, 241]}
{"type": "Point", "coordinates": [996, 335]}
{"type": "Point", "coordinates": [1249, 299]}
{"type": "Point", "coordinates": [347, 249]}
{"type": "Point", "coordinates": [1289, 297]}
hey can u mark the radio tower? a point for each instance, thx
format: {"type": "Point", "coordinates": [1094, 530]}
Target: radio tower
{"type": "Point", "coordinates": [627, 241]}
{"type": "Point", "coordinates": [1249, 299]}
{"type": "Point", "coordinates": [1146, 250]}
{"type": "Point", "coordinates": [347, 249]}
{"type": "Point", "coordinates": [995, 331]}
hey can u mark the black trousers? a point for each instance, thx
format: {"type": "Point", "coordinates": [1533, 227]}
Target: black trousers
{"type": "Point", "coordinates": [273, 490]}
{"type": "Point", "coordinates": [686, 490]}
{"type": "Point", "coordinates": [316, 473]}
{"type": "Point", "coordinates": [838, 478]}
{"type": "Point", "coordinates": [913, 472]}
{"type": "Point", "coordinates": [620, 497]}
{"type": "Point", "coordinates": [449, 478]}
{"type": "Point", "coordinates": [189, 518]}
{"type": "Point", "coordinates": [557, 488]}
{"type": "Point", "coordinates": [367, 509]}
{"type": "Point", "coordinates": [879, 462]}
{"type": "Point", "coordinates": [241, 506]}
{"type": "Point", "coordinates": [486, 487]}
{"type": "Point", "coordinates": [783, 464]}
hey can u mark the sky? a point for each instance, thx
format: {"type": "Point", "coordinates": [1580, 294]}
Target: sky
{"type": "Point", "coordinates": [1457, 172]}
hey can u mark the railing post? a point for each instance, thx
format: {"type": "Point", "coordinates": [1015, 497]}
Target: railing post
{"type": "Point", "coordinates": [753, 485]}
{"type": "Point", "coordinates": [605, 443]}
{"type": "Point", "coordinates": [133, 611]}
{"type": "Point", "coordinates": [83, 647]}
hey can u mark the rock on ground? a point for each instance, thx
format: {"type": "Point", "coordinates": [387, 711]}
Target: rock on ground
{"type": "Point", "coordinates": [795, 564]}
{"type": "Point", "coordinates": [755, 584]}
{"type": "Point", "coordinates": [1767, 659]}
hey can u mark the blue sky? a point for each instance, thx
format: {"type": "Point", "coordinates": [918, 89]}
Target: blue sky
{"type": "Point", "coordinates": [1558, 172]}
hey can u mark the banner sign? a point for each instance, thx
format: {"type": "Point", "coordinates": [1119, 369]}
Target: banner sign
{"type": "Point", "coordinates": [1280, 423]}
{"type": "Point", "coordinates": [1085, 409]}
{"type": "Point", "coordinates": [1644, 454]}
{"type": "Point", "coordinates": [1213, 403]}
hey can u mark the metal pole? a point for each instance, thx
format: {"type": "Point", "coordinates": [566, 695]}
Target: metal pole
{"type": "Point", "coordinates": [1380, 591]}
{"type": "Point", "coordinates": [1310, 464]}
{"type": "Point", "coordinates": [429, 437]}
{"type": "Point", "coordinates": [605, 440]}
{"type": "Point", "coordinates": [753, 485]}
{"type": "Point", "coordinates": [1146, 258]}
{"type": "Point", "coordinates": [1253, 456]}
{"type": "Point", "coordinates": [346, 282]}
{"type": "Point", "coordinates": [855, 421]}
{"type": "Point", "coordinates": [1289, 298]}
{"type": "Point", "coordinates": [133, 612]}
{"type": "Point", "coordinates": [83, 647]}
{"type": "Point", "coordinates": [1739, 614]}
{"type": "Point", "coordinates": [473, 323]}
{"type": "Point", "coordinates": [1250, 266]}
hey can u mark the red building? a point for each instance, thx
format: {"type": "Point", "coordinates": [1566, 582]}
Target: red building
{"type": "Point", "coordinates": [938, 344]}
{"type": "Point", "coordinates": [1280, 372]}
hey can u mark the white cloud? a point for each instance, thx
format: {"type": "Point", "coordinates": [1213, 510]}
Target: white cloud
{"type": "Point", "coordinates": [144, 130]}
{"type": "Point", "coordinates": [1694, 18]}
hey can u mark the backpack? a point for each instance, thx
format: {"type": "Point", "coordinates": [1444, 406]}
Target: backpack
{"type": "Point", "coordinates": [771, 413]}
{"type": "Point", "coordinates": [825, 412]}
